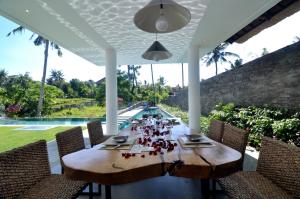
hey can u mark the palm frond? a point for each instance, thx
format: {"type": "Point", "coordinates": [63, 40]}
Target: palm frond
{"type": "Point", "coordinates": [56, 47]}
{"type": "Point", "coordinates": [18, 30]}
{"type": "Point", "coordinates": [231, 54]}
{"type": "Point", "coordinates": [39, 40]}
{"type": "Point", "coordinates": [224, 60]}
{"type": "Point", "coordinates": [31, 37]}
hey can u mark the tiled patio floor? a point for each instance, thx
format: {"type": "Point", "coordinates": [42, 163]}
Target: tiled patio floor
{"type": "Point", "coordinates": [166, 187]}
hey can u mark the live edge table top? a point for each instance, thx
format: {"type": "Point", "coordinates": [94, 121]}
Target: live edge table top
{"type": "Point", "coordinates": [110, 167]}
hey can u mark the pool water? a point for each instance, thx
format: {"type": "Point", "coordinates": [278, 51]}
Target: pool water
{"type": "Point", "coordinates": [49, 121]}
{"type": "Point", "coordinates": [40, 122]}
{"type": "Point", "coordinates": [152, 112]}
{"type": "Point", "coordinates": [35, 128]}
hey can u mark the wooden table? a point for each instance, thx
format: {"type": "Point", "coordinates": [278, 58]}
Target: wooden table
{"type": "Point", "coordinates": [108, 167]}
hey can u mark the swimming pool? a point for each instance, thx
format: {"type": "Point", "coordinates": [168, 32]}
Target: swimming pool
{"type": "Point", "coordinates": [76, 121]}
{"type": "Point", "coordinates": [152, 111]}
{"type": "Point", "coordinates": [49, 121]}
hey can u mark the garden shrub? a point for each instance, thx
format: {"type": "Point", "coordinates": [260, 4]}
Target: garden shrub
{"type": "Point", "coordinates": [288, 130]}
{"type": "Point", "coordinates": [261, 121]}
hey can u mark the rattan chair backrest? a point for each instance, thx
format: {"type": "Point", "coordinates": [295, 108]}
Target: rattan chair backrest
{"type": "Point", "coordinates": [216, 130]}
{"type": "Point", "coordinates": [70, 141]}
{"type": "Point", "coordinates": [95, 132]}
{"type": "Point", "coordinates": [280, 162]}
{"type": "Point", "coordinates": [23, 167]}
{"type": "Point", "coordinates": [237, 139]}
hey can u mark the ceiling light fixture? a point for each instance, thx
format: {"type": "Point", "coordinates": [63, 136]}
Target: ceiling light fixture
{"type": "Point", "coordinates": [157, 52]}
{"type": "Point", "coordinates": [161, 23]}
{"type": "Point", "coordinates": [162, 16]}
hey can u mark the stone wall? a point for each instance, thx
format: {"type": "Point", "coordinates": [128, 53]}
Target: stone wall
{"type": "Point", "coordinates": [273, 79]}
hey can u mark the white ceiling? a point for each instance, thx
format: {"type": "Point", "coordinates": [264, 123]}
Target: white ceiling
{"type": "Point", "coordinates": [87, 27]}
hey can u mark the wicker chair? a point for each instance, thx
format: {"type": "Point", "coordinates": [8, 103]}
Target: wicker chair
{"type": "Point", "coordinates": [25, 173]}
{"type": "Point", "coordinates": [237, 139]}
{"type": "Point", "coordinates": [70, 141]}
{"type": "Point", "coordinates": [277, 175]}
{"type": "Point", "coordinates": [216, 130]}
{"type": "Point", "coordinates": [96, 133]}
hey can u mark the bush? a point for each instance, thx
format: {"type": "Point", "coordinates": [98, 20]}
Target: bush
{"type": "Point", "coordinates": [261, 121]}
{"type": "Point", "coordinates": [288, 130]}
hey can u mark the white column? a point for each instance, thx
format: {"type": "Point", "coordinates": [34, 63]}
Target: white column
{"type": "Point", "coordinates": [111, 91]}
{"type": "Point", "coordinates": [194, 88]}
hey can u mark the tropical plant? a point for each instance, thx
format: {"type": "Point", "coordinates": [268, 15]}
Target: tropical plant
{"type": "Point", "coordinates": [237, 63]}
{"type": "Point", "coordinates": [3, 76]}
{"type": "Point", "coordinates": [133, 72]}
{"type": "Point", "coordinates": [56, 78]}
{"type": "Point", "coordinates": [20, 94]}
{"type": "Point", "coordinates": [297, 39]}
{"type": "Point", "coordinates": [264, 51]}
{"type": "Point", "coordinates": [153, 86]}
{"type": "Point", "coordinates": [219, 55]}
{"type": "Point", "coordinates": [261, 121]}
{"type": "Point", "coordinates": [38, 41]}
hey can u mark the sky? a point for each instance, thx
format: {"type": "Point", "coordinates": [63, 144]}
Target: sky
{"type": "Point", "coordinates": [18, 55]}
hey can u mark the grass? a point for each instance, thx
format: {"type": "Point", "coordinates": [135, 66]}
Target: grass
{"type": "Point", "coordinates": [10, 138]}
{"type": "Point", "coordinates": [73, 101]}
{"type": "Point", "coordinates": [84, 112]}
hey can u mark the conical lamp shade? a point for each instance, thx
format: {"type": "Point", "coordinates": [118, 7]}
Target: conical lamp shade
{"type": "Point", "coordinates": [157, 52]}
{"type": "Point", "coordinates": [176, 16]}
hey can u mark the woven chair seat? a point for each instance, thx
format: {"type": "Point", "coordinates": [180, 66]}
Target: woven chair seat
{"type": "Point", "coordinates": [54, 187]}
{"type": "Point", "coordinates": [251, 185]}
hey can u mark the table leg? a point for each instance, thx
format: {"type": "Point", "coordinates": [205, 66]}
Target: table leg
{"type": "Point", "coordinates": [99, 189]}
{"type": "Point", "coordinates": [205, 188]}
{"type": "Point", "coordinates": [90, 190]}
{"type": "Point", "coordinates": [107, 192]}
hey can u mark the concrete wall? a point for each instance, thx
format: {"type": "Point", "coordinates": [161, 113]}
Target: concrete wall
{"type": "Point", "coordinates": [273, 79]}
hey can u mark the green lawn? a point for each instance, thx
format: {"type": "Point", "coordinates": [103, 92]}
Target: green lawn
{"type": "Point", "coordinates": [85, 112]}
{"type": "Point", "coordinates": [10, 138]}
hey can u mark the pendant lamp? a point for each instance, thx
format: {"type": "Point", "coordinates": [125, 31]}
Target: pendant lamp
{"type": "Point", "coordinates": [157, 52]}
{"type": "Point", "coordinates": [162, 16]}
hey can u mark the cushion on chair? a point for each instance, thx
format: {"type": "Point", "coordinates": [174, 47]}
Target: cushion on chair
{"type": "Point", "coordinates": [251, 185]}
{"type": "Point", "coordinates": [54, 187]}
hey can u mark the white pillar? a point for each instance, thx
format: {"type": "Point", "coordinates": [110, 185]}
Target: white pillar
{"type": "Point", "coordinates": [111, 91]}
{"type": "Point", "coordinates": [194, 88]}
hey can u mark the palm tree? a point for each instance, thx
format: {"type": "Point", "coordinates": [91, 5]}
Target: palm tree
{"type": "Point", "coordinates": [219, 55]}
{"type": "Point", "coordinates": [57, 75]}
{"type": "Point", "coordinates": [264, 51]}
{"type": "Point", "coordinates": [133, 76]}
{"type": "Point", "coordinates": [38, 41]}
{"type": "Point", "coordinates": [3, 76]}
{"type": "Point", "coordinates": [237, 63]}
{"type": "Point", "coordinates": [154, 90]}
{"type": "Point", "coordinates": [56, 78]}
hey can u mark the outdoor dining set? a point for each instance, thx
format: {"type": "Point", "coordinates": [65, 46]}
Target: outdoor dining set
{"type": "Point", "coordinates": [150, 148]}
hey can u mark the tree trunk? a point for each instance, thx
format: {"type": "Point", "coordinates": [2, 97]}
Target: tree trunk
{"type": "Point", "coordinates": [128, 72]}
{"type": "Point", "coordinates": [182, 75]}
{"type": "Point", "coordinates": [216, 64]}
{"type": "Point", "coordinates": [153, 84]}
{"type": "Point", "coordinates": [41, 98]}
{"type": "Point", "coordinates": [133, 76]}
